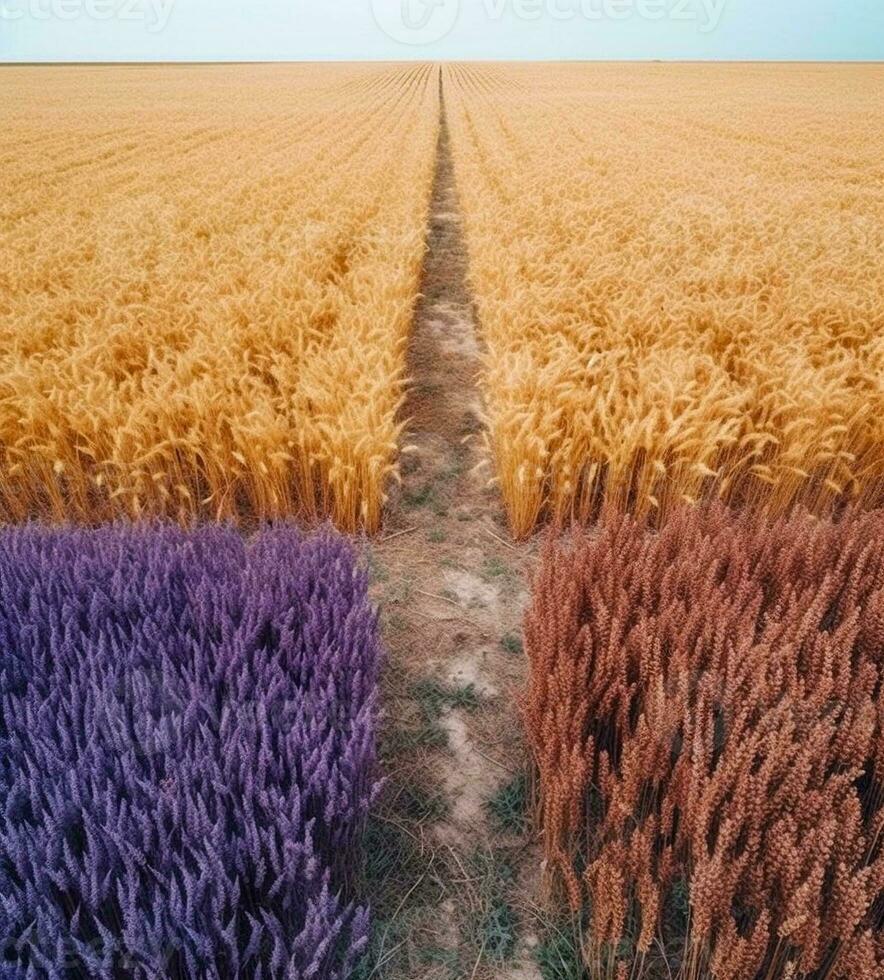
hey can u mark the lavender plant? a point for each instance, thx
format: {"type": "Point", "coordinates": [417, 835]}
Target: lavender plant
{"type": "Point", "coordinates": [187, 753]}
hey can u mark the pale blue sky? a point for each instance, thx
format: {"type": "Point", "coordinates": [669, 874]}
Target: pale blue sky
{"type": "Point", "coordinates": [168, 30]}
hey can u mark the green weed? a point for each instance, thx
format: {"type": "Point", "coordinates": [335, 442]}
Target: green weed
{"type": "Point", "coordinates": [509, 806]}
{"type": "Point", "coordinates": [512, 643]}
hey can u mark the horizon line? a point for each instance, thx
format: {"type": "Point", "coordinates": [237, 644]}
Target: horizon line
{"type": "Point", "coordinates": [437, 61]}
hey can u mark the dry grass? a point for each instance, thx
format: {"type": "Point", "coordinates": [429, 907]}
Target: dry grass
{"type": "Point", "coordinates": [679, 273]}
{"type": "Point", "coordinates": [705, 710]}
{"type": "Point", "coordinates": [207, 277]}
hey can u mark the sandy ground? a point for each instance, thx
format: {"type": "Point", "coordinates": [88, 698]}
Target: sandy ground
{"type": "Point", "coordinates": [450, 885]}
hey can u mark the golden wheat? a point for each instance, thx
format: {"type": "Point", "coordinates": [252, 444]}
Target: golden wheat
{"type": "Point", "coordinates": [207, 277]}
{"type": "Point", "coordinates": [679, 273]}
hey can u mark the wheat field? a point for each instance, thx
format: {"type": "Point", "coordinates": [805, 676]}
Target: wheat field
{"type": "Point", "coordinates": [207, 278]}
{"type": "Point", "coordinates": [704, 709]}
{"type": "Point", "coordinates": [678, 272]}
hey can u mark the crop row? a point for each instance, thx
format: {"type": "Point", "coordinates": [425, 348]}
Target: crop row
{"type": "Point", "coordinates": [207, 283]}
{"type": "Point", "coordinates": [705, 710]}
{"type": "Point", "coordinates": [187, 727]}
{"type": "Point", "coordinates": [678, 276]}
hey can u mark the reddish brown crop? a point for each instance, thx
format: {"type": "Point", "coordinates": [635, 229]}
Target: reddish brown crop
{"type": "Point", "coordinates": [705, 711]}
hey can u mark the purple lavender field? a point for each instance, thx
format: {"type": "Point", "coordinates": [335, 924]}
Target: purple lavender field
{"type": "Point", "coordinates": [187, 753]}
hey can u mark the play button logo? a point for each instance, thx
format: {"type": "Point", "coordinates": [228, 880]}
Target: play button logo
{"type": "Point", "coordinates": [416, 21]}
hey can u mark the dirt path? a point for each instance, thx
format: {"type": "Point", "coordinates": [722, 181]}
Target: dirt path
{"type": "Point", "coordinates": [447, 854]}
